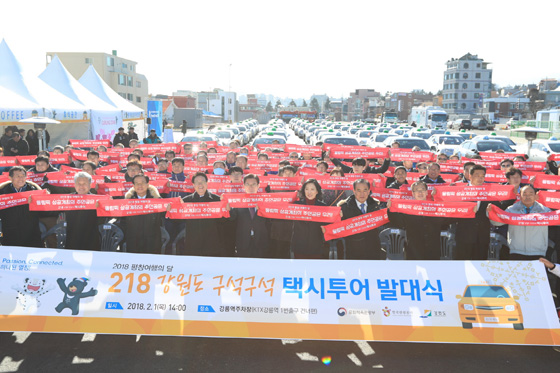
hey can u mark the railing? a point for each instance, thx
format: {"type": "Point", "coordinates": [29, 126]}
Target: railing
{"type": "Point", "coordinates": [553, 127]}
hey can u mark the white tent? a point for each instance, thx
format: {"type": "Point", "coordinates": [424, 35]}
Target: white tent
{"type": "Point", "coordinates": [105, 118]}
{"type": "Point", "coordinates": [46, 101]}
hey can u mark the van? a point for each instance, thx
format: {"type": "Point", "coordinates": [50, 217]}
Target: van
{"type": "Point", "coordinates": [479, 124]}
{"type": "Point", "coordinates": [463, 124]}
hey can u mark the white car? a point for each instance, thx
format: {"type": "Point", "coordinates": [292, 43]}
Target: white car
{"type": "Point", "coordinates": [446, 144]}
{"type": "Point", "coordinates": [376, 140]}
{"type": "Point", "coordinates": [493, 136]}
{"type": "Point", "coordinates": [541, 149]}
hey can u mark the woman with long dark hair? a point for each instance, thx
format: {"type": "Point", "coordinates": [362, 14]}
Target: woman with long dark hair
{"type": "Point", "coordinates": [33, 142]}
{"type": "Point", "coordinates": [308, 241]}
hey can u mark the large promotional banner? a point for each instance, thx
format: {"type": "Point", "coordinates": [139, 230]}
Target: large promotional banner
{"type": "Point", "coordinates": [68, 291]}
{"type": "Point", "coordinates": [155, 113]}
{"type": "Point", "coordinates": [105, 124]}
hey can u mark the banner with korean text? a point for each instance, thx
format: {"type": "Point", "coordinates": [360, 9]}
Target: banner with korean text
{"type": "Point", "coordinates": [52, 290]}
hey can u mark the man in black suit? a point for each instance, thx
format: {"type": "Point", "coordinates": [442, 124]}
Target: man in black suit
{"type": "Point", "coordinates": [366, 245]}
{"type": "Point", "coordinates": [252, 239]}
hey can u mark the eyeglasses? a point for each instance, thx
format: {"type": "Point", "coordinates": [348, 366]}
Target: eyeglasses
{"type": "Point", "coordinates": [422, 168]}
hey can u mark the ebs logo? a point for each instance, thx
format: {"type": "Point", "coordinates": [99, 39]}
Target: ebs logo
{"type": "Point", "coordinates": [341, 311]}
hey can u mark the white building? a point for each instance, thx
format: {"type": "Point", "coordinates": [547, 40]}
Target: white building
{"type": "Point", "coordinates": [466, 82]}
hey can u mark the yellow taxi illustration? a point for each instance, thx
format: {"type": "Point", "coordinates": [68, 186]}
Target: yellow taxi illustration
{"type": "Point", "coordinates": [492, 304]}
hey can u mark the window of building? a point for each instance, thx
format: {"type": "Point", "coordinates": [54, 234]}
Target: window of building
{"type": "Point", "coordinates": [474, 106]}
{"type": "Point", "coordinates": [477, 65]}
{"type": "Point", "coordinates": [455, 105]}
{"type": "Point", "coordinates": [455, 96]}
{"type": "Point", "coordinates": [123, 95]}
{"type": "Point", "coordinates": [477, 75]}
{"type": "Point", "coordinates": [138, 84]}
{"type": "Point", "coordinates": [89, 60]}
{"type": "Point", "coordinates": [456, 86]}
{"type": "Point", "coordinates": [466, 66]}
{"type": "Point", "coordinates": [129, 81]}
{"type": "Point", "coordinates": [464, 96]}
{"type": "Point", "coordinates": [124, 65]}
{"type": "Point", "coordinates": [463, 106]}
{"type": "Point", "coordinates": [456, 75]}
{"type": "Point", "coordinates": [129, 97]}
{"type": "Point", "coordinates": [122, 79]}
{"type": "Point", "coordinates": [512, 106]}
{"type": "Point", "coordinates": [138, 99]}
{"type": "Point", "coordinates": [476, 95]}
{"type": "Point", "coordinates": [465, 76]}
{"type": "Point", "coordinates": [110, 62]}
{"type": "Point", "coordinates": [465, 85]}
{"type": "Point", "coordinates": [131, 67]}
{"type": "Point", "coordinates": [229, 112]}
{"type": "Point", "coordinates": [477, 85]}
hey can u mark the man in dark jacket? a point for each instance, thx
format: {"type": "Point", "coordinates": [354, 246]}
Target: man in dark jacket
{"type": "Point", "coordinates": [121, 138]}
{"type": "Point", "coordinates": [433, 175]}
{"type": "Point", "coordinates": [252, 237]}
{"type": "Point", "coordinates": [359, 166]}
{"type": "Point", "coordinates": [365, 245]}
{"type": "Point", "coordinates": [6, 137]}
{"type": "Point", "coordinates": [131, 135]}
{"type": "Point", "coordinates": [473, 235]}
{"type": "Point", "coordinates": [422, 232]}
{"type": "Point", "coordinates": [16, 146]}
{"type": "Point", "coordinates": [202, 235]}
{"type": "Point", "coordinates": [399, 179]}
{"type": "Point", "coordinates": [42, 165]}
{"type": "Point", "coordinates": [19, 225]}
{"type": "Point", "coordinates": [81, 225]}
{"type": "Point", "coordinates": [143, 232]}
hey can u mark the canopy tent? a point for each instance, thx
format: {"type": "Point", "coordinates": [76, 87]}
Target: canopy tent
{"type": "Point", "coordinates": [31, 93]}
{"type": "Point", "coordinates": [96, 85]}
{"type": "Point", "coordinates": [105, 118]}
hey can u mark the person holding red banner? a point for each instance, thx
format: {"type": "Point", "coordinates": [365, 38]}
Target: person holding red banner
{"type": "Point", "coordinates": [465, 177]}
{"type": "Point", "coordinates": [142, 233]}
{"type": "Point", "coordinates": [42, 165]}
{"type": "Point", "coordinates": [366, 245]}
{"type": "Point", "coordinates": [93, 156]}
{"type": "Point", "coordinates": [330, 196]}
{"type": "Point", "coordinates": [399, 178]}
{"type": "Point", "coordinates": [236, 174]}
{"type": "Point", "coordinates": [81, 225]}
{"type": "Point", "coordinates": [422, 232]}
{"type": "Point", "coordinates": [473, 235]}
{"type": "Point", "coordinates": [203, 235]}
{"type": "Point", "coordinates": [359, 166]}
{"type": "Point", "coordinates": [308, 241]}
{"type": "Point", "coordinates": [20, 227]}
{"type": "Point", "coordinates": [526, 242]}
{"type": "Point", "coordinates": [121, 138]}
{"type": "Point", "coordinates": [281, 230]}
{"type": "Point", "coordinates": [252, 235]}
{"type": "Point", "coordinates": [433, 176]}
{"type": "Point", "coordinates": [133, 168]}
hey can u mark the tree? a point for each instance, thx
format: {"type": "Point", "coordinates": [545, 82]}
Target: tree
{"type": "Point", "coordinates": [315, 105]}
{"type": "Point", "coordinates": [278, 104]}
{"type": "Point", "coordinates": [293, 103]}
{"type": "Point", "coordinates": [328, 104]}
{"type": "Point", "coordinates": [269, 107]}
{"type": "Point", "coordinates": [304, 103]}
{"type": "Point", "coordinates": [536, 102]}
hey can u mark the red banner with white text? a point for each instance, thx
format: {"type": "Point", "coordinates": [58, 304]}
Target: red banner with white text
{"type": "Point", "coordinates": [202, 210]}
{"type": "Point", "coordinates": [356, 225]}
{"type": "Point", "coordinates": [539, 219]}
{"type": "Point", "coordinates": [486, 192]}
{"type": "Point", "coordinates": [434, 209]}
{"type": "Point", "coordinates": [289, 211]}
{"type": "Point", "coordinates": [65, 202]}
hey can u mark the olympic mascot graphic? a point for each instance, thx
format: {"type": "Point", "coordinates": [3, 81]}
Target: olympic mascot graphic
{"type": "Point", "coordinates": [29, 293]}
{"type": "Point", "coordinates": [73, 293]}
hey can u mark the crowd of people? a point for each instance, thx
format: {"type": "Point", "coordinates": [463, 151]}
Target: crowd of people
{"type": "Point", "coordinates": [247, 234]}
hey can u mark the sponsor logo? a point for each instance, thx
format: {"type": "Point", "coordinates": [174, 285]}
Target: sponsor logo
{"type": "Point", "coordinates": [341, 311]}
{"type": "Point", "coordinates": [386, 311]}
{"type": "Point", "coordinates": [427, 313]}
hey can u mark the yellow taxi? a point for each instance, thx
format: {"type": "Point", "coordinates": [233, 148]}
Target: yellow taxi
{"type": "Point", "coordinates": [489, 304]}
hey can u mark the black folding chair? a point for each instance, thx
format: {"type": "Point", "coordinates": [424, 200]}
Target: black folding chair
{"type": "Point", "coordinates": [180, 236]}
{"type": "Point", "coordinates": [59, 230]}
{"type": "Point", "coordinates": [111, 237]}
{"type": "Point", "coordinates": [448, 243]}
{"type": "Point", "coordinates": [393, 242]}
{"type": "Point", "coordinates": [333, 248]}
{"type": "Point", "coordinates": [496, 243]}
{"type": "Point", "coordinates": [164, 239]}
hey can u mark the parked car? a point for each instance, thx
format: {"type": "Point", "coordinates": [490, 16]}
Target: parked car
{"type": "Point", "coordinates": [479, 124]}
{"type": "Point", "coordinates": [463, 124]}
